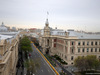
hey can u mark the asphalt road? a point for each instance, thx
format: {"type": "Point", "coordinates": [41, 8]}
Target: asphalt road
{"type": "Point", "coordinates": [44, 69]}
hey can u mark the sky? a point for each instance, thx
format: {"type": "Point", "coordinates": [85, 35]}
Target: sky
{"type": "Point", "coordinates": [63, 14]}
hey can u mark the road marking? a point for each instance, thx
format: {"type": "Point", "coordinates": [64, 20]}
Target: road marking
{"type": "Point", "coordinates": [44, 60]}
{"type": "Point", "coordinates": [47, 63]}
{"type": "Point", "coordinates": [42, 70]}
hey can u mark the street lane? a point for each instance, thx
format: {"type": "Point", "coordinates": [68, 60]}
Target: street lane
{"type": "Point", "coordinates": [45, 69]}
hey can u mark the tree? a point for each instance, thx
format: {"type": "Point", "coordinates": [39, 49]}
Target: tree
{"type": "Point", "coordinates": [80, 63]}
{"type": "Point", "coordinates": [32, 66]}
{"type": "Point", "coordinates": [25, 45]}
{"type": "Point", "coordinates": [87, 63]}
{"type": "Point", "coordinates": [93, 62]}
{"type": "Point", "coordinates": [36, 42]}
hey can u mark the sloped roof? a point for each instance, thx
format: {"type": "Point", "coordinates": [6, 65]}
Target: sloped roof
{"type": "Point", "coordinates": [82, 35]}
{"type": "Point", "coordinates": [72, 33]}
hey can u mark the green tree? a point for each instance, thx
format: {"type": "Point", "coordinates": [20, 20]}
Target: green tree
{"type": "Point", "coordinates": [80, 63]}
{"type": "Point", "coordinates": [87, 63]}
{"type": "Point", "coordinates": [36, 42]}
{"type": "Point", "coordinates": [32, 66]}
{"type": "Point", "coordinates": [92, 61]}
{"type": "Point", "coordinates": [25, 45]}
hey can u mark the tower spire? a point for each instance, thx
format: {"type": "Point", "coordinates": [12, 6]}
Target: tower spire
{"type": "Point", "coordinates": [47, 23]}
{"type": "Point", "coordinates": [2, 23]}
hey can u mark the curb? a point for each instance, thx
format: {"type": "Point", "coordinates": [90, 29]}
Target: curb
{"type": "Point", "coordinates": [46, 60]}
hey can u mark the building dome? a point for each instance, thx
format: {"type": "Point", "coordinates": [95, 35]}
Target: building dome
{"type": "Point", "coordinates": [3, 28]}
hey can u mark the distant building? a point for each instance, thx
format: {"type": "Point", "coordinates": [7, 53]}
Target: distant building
{"type": "Point", "coordinates": [3, 28]}
{"type": "Point", "coordinates": [13, 29]}
{"type": "Point", "coordinates": [33, 30]}
{"type": "Point", "coordinates": [68, 44]}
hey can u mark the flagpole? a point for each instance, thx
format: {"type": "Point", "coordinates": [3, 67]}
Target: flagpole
{"type": "Point", "coordinates": [47, 14]}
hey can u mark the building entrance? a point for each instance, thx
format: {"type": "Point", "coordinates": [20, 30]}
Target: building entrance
{"type": "Point", "coordinates": [47, 51]}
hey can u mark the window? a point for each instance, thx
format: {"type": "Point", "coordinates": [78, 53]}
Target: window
{"type": "Point", "coordinates": [95, 43]}
{"type": "Point", "coordinates": [99, 49]}
{"type": "Point", "coordinates": [91, 49]}
{"type": "Point", "coordinates": [65, 57]}
{"type": "Point", "coordinates": [83, 43]}
{"type": "Point", "coordinates": [66, 42]}
{"type": "Point", "coordinates": [72, 50]}
{"type": "Point", "coordinates": [78, 50]}
{"type": "Point", "coordinates": [48, 42]}
{"type": "Point", "coordinates": [87, 43]}
{"type": "Point", "coordinates": [79, 43]}
{"type": "Point", "coordinates": [65, 49]}
{"type": "Point", "coordinates": [55, 40]}
{"type": "Point", "coordinates": [54, 44]}
{"type": "Point", "coordinates": [71, 63]}
{"type": "Point", "coordinates": [72, 43]}
{"type": "Point", "coordinates": [95, 49]}
{"type": "Point", "coordinates": [72, 57]}
{"type": "Point", "coordinates": [83, 50]}
{"type": "Point", "coordinates": [87, 49]}
{"type": "Point", "coordinates": [91, 43]}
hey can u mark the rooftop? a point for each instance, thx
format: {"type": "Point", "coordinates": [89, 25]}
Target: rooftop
{"type": "Point", "coordinates": [72, 33]}
{"type": "Point", "coordinates": [9, 36]}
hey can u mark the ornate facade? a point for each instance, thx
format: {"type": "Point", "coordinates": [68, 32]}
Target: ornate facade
{"type": "Point", "coordinates": [69, 44]}
{"type": "Point", "coordinates": [8, 56]}
{"type": "Point", "coordinates": [8, 51]}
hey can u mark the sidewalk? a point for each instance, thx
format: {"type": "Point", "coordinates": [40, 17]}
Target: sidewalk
{"type": "Point", "coordinates": [25, 70]}
{"type": "Point", "coordinates": [65, 71]}
{"type": "Point", "coordinates": [21, 70]}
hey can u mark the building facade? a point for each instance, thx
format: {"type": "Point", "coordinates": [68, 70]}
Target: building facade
{"type": "Point", "coordinates": [8, 51]}
{"type": "Point", "coordinates": [69, 44]}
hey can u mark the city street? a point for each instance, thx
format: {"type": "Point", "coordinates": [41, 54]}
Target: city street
{"type": "Point", "coordinates": [44, 69]}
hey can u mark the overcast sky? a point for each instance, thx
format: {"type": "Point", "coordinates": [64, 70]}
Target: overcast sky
{"type": "Point", "coordinates": [63, 14]}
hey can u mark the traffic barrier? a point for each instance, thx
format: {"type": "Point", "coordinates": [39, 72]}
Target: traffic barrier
{"type": "Point", "coordinates": [46, 60]}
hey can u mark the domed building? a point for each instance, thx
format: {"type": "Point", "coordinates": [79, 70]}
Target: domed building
{"type": "Point", "coordinates": [3, 28]}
